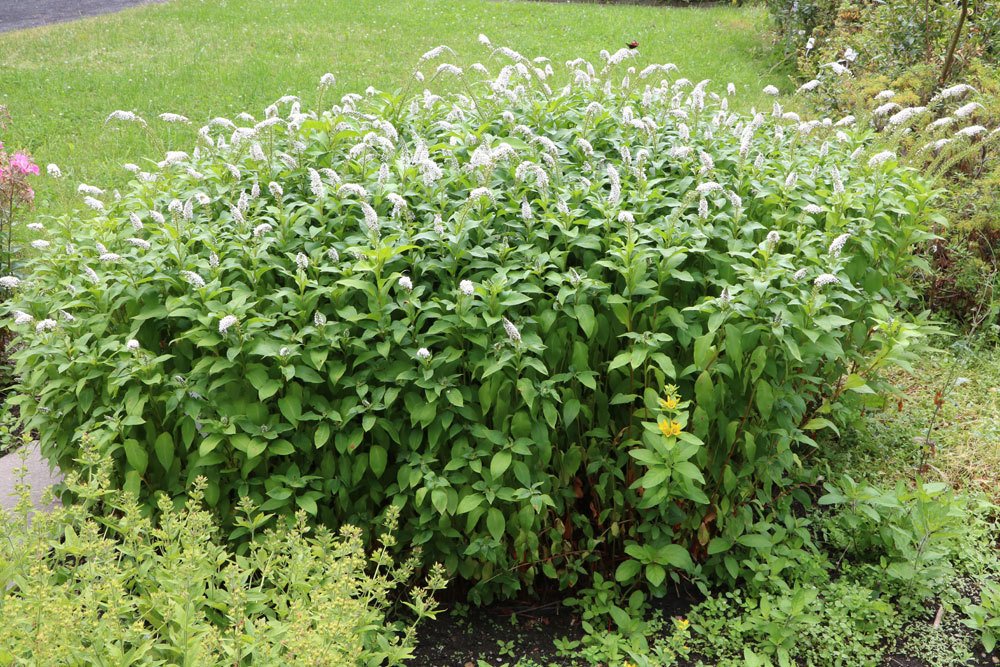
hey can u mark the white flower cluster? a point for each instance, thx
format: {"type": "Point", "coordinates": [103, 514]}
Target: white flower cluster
{"type": "Point", "coordinates": [125, 116]}
{"type": "Point", "coordinates": [193, 278]}
{"type": "Point", "coordinates": [826, 279]}
{"type": "Point", "coordinates": [880, 158]}
{"type": "Point", "coordinates": [838, 245]}
{"type": "Point", "coordinates": [512, 332]}
{"type": "Point", "coordinates": [226, 323]}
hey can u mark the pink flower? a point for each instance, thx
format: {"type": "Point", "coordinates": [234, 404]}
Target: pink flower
{"type": "Point", "coordinates": [22, 163]}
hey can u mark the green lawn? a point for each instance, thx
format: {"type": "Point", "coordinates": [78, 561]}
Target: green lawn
{"type": "Point", "coordinates": [203, 58]}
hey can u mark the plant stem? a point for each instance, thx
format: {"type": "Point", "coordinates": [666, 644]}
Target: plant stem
{"type": "Point", "coordinates": [949, 59]}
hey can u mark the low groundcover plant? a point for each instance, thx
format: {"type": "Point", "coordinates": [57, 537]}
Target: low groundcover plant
{"type": "Point", "coordinates": [97, 583]}
{"type": "Point", "coordinates": [555, 319]}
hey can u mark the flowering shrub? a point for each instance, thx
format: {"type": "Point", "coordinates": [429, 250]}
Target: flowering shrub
{"type": "Point", "coordinates": [548, 325]}
{"type": "Point", "coordinates": [15, 192]}
{"type": "Point", "coordinates": [887, 60]}
{"type": "Point", "coordinates": [97, 582]}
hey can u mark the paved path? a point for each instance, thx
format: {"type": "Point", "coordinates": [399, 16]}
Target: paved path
{"type": "Point", "coordinates": [39, 476]}
{"type": "Point", "coordinates": [18, 14]}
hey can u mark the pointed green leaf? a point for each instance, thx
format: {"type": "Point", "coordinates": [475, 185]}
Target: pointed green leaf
{"type": "Point", "coordinates": [500, 463]}
{"type": "Point", "coordinates": [136, 455]}
{"type": "Point", "coordinates": [164, 448]}
{"type": "Point", "coordinates": [495, 523]}
{"type": "Point", "coordinates": [377, 459]}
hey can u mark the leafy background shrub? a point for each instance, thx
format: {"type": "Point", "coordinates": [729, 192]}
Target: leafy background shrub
{"type": "Point", "coordinates": [886, 560]}
{"type": "Point", "coordinates": [904, 47]}
{"type": "Point", "coordinates": [550, 327]}
{"type": "Point", "coordinates": [96, 582]}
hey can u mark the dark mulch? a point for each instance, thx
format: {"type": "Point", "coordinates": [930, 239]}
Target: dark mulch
{"type": "Point", "coordinates": [506, 632]}
{"type": "Point", "coordinates": [19, 14]}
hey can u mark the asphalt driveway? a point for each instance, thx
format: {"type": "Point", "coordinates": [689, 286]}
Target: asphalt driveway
{"type": "Point", "coordinates": [18, 14]}
{"type": "Point", "coordinates": [38, 475]}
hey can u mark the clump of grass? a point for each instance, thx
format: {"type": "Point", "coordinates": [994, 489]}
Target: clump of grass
{"type": "Point", "coordinates": [946, 415]}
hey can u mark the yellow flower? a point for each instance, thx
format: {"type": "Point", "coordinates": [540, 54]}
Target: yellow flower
{"type": "Point", "coordinates": [669, 403]}
{"type": "Point", "coordinates": [669, 428]}
{"type": "Point", "coordinates": [682, 623]}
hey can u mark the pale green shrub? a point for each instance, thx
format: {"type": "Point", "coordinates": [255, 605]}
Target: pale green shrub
{"type": "Point", "coordinates": [98, 583]}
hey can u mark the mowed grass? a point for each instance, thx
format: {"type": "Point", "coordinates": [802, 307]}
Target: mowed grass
{"type": "Point", "coordinates": [206, 58]}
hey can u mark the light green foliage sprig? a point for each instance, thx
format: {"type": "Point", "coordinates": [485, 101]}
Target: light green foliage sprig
{"type": "Point", "coordinates": [467, 306]}
{"type": "Point", "coordinates": [97, 582]}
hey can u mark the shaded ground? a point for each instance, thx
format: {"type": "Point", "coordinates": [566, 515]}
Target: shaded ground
{"type": "Point", "coordinates": [503, 634]}
{"type": "Point", "coordinates": [18, 14]}
{"type": "Point", "coordinates": [507, 632]}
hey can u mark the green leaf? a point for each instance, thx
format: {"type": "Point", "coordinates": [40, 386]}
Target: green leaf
{"type": "Point", "coordinates": [255, 448]}
{"type": "Point", "coordinates": [818, 423]}
{"type": "Point", "coordinates": [495, 523]}
{"type": "Point", "coordinates": [654, 477]}
{"type": "Point", "coordinates": [703, 350]}
{"type": "Point", "coordinates": [164, 448]}
{"type": "Point", "coordinates": [832, 498]}
{"type": "Point", "coordinates": [756, 541]}
{"type": "Point", "coordinates": [719, 545]}
{"type": "Point", "coordinates": [674, 555]}
{"type": "Point", "coordinates": [136, 455]}
{"type": "Point", "coordinates": [704, 392]}
{"type": "Point", "coordinates": [291, 408]}
{"type": "Point", "coordinates": [764, 398]}
{"type": "Point", "coordinates": [322, 435]}
{"type": "Point", "coordinates": [500, 463]}
{"type": "Point", "coordinates": [570, 411]}
{"type": "Point", "coordinates": [469, 503]}
{"type": "Point", "coordinates": [455, 397]}
{"type": "Point", "coordinates": [268, 389]}
{"type": "Point", "coordinates": [734, 347]}
{"type": "Point", "coordinates": [620, 360]}
{"type": "Point", "coordinates": [655, 574]}
{"type": "Point", "coordinates": [439, 498]}
{"type": "Point", "coordinates": [307, 503]}
{"type": "Point", "coordinates": [133, 483]}
{"type": "Point", "coordinates": [585, 317]}
{"type": "Point", "coordinates": [689, 471]}
{"type": "Point", "coordinates": [620, 617]}
{"type": "Point", "coordinates": [627, 570]}
{"type": "Point", "coordinates": [280, 448]}
{"type": "Point", "coordinates": [209, 444]}
{"type": "Point", "coordinates": [377, 459]}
